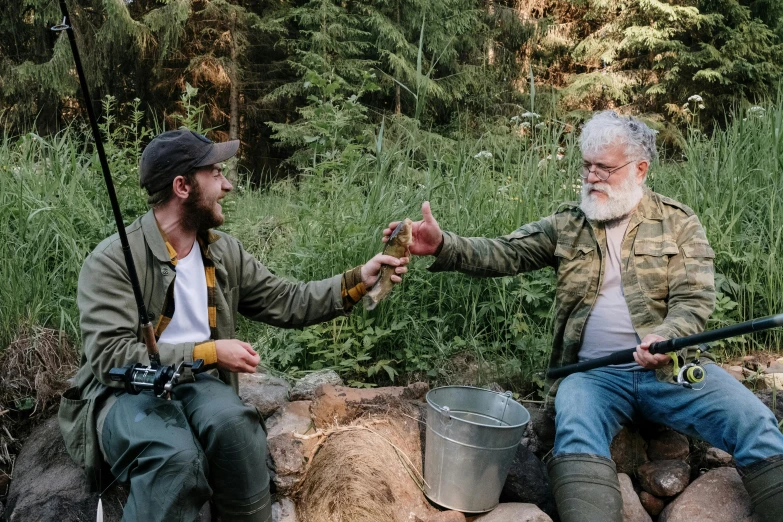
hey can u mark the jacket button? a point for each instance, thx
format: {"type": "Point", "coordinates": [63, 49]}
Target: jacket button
{"type": "Point", "coordinates": [165, 271]}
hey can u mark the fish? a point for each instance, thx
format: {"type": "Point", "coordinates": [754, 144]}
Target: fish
{"type": "Point", "coordinates": [397, 246]}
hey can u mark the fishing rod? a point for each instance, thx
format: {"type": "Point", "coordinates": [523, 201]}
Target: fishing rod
{"type": "Point", "coordinates": [672, 345]}
{"type": "Point", "coordinates": [137, 377]}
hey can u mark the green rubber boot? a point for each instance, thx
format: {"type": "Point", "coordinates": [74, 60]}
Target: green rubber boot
{"type": "Point", "coordinates": [258, 511]}
{"type": "Point", "coordinates": [765, 486]}
{"type": "Point", "coordinates": [586, 488]}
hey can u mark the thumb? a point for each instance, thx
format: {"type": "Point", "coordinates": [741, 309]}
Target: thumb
{"type": "Point", "coordinates": [426, 212]}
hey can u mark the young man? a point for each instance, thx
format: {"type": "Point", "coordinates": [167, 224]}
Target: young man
{"type": "Point", "coordinates": [633, 268]}
{"type": "Point", "coordinates": [204, 443]}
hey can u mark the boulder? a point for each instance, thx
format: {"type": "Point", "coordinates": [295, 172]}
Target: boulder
{"type": "Point", "coordinates": [266, 392]}
{"type": "Point", "coordinates": [528, 482]}
{"type": "Point", "coordinates": [716, 496]}
{"type": "Point", "coordinates": [304, 388]}
{"type": "Point", "coordinates": [629, 451]}
{"type": "Point", "coordinates": [652, 504]}
{"type": "Point", "coordinates": [290, 444]}
{"type": "Point", "coordinates": [334, 405]}
{"type": "Point", "coordinates": [772, 401]}
{"type": "Point", "coordinates": [716, 458]}
{"type": "Point", "coordinates": [48, 487]}
{"type": "Point", "coordinates": [514, 512]}
{"type": "Point", "coordinates": [664, 478]}
{"type": "Point", "coordinates": [542, 426]}
{"type": "Point", "coordinates": [633, 511]}
{"type": "Point", "coordinates": [668, 445]}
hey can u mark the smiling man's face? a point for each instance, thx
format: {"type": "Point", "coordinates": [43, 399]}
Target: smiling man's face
{"type": "Point", "coordinates": [202, 208]}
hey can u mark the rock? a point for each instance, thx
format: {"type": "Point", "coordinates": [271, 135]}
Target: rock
{"type": "Point", "coordinates": [542, 424]}
{"type": "Point", "coordinates": [668, 445]}
{"type": "Point", "coordinates": [628, 451]}
{"type": "Point", "coordinates": [284, 510]}
{"type": "Point", "coordinates": [4, 481]}
{"type": "Point", "coordinates": [716, 496]}
{"type": "Point", "coordinates": [48, 487]}
{"type": "Point", "coordinates": [652, 504]}
{"type": "Point", "coordinates": [304, 388]}
{"type": "Point", "coordinates": [289, 453]}
{"type": "Point", "coordinates": [734, 371]}
{"type": "Point", "coordinates": [664, 478]}
{"type": "Point", "coordinates": [716, 458]}
{"type": "Point", "coordinates": [340, 405]}
{"type": "Point", "coordinates": [752, 362]}
{"type": "Point", "coordinates": [773, 381]}
{"type": "Point", "coordinates": [528, 482]}
{"type": "Point", "coordinates": [447, 516]}
{"type": "Point", "coordinates": [773, 401]}
{"type": "Point", "coordinates": [776, 367]}
{"type": "Point", "coordinates": [415, 391]}
{"type": "Point", "coordinates": [265, 392]}
{"type": "Point", "coordinates": [514, 512]}
{"type": "Point", "coordinates": [632, 507]}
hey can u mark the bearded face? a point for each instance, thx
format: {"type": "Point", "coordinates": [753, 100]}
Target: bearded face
{"type": "Point", "coordinates": [603, 201]}
{"type": "Point", "coordinates": [202, 210]}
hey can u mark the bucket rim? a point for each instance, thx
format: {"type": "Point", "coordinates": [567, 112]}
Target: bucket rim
{"type": "Point", "coordinates": [509, 427]}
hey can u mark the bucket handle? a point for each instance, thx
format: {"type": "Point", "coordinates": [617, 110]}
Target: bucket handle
{"type": "Point", "coordinates": [508, 395]}
{"type": "Point", "coordinates": [444, 410]}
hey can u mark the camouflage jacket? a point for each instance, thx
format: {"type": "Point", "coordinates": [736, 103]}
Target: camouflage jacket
{"type": "Point", "coordinates": [667, 269]}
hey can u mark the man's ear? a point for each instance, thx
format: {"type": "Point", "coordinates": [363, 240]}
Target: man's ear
{"type": "Point", "coordinates": [641, 171]}
{"type": "Point", "coordinates": [180, 187]}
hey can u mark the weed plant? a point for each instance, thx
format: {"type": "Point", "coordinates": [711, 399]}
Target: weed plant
{"type": "Point", "coordinates": [443, 327]}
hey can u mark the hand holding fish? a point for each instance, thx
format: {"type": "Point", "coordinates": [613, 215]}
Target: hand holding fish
{"type": "Point", "coordinates": [426, 234]}
{"type": "Point", "coordinates": [372, 269]}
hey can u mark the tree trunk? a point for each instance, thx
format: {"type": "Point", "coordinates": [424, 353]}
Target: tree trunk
{"type": "Point", "coordinates": [233, 76]}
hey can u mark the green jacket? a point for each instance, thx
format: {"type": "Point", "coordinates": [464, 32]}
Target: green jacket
{"type": "Point", "coordinates": [667, 269]}
{"type": "Point", "coordinates": [109, 320]}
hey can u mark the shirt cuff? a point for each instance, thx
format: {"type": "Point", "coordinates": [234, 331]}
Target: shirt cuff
{"type": "Point", "coordinates": [352, 288]}
{"type": "Point", "coordinates": [207, 351]}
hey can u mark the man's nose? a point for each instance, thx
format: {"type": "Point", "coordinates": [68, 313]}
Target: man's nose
{"type": "Point", "coordinates": [592, 177]}
{"type": "Point", "coordinates": [226, 186]}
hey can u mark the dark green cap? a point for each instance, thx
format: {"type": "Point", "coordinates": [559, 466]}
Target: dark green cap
{"type": "Point", "coordinates": [176, 153]}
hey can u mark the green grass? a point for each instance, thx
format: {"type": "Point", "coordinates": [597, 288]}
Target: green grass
{"type": "Point", "coordinates": [54, 209]}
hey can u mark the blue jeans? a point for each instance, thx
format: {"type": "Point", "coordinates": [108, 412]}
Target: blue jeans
{"type": "Point", "coordinates": [592, 406]}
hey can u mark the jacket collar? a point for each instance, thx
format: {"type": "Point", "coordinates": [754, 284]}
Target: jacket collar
{"type": "Point", "coordinates": [161, 248]}
{"type": "Point", "coordinates": [650, 206]}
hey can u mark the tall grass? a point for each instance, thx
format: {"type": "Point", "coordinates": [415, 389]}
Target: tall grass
{"type": "Point", "coordinates": [53, 210]}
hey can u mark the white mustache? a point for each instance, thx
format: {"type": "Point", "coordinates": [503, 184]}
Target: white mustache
{"type": "Point", "coordinates": [599, 187]}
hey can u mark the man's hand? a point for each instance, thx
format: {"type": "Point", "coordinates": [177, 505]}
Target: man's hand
{"type": "Point", "coordinates": [426, 234]}
{"type": "Point", "coordinates": [647, 360]}
{"type": "Point", "coordinates": [372, 268]}
{"type": "Point", "coordinates": [236, 356]}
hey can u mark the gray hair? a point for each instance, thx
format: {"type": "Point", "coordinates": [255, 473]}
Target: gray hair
{"type": "Point", "coordinates": [608, 127]}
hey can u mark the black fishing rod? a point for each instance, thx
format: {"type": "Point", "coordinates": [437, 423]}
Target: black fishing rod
{"type": "Point", "coordinates": [672, 345]}
{"type": "Point", "coordinates": [136, 377]}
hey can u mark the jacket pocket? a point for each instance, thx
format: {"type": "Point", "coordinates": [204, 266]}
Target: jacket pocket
{"type": "Point", "coordinates": [698, 265]}
{"type": "Point", "coordinates": [72, 416]}
{"type": "Point", "coordinates": [574, 268]}
{"type": "Point", "coordinates": [651, 261]}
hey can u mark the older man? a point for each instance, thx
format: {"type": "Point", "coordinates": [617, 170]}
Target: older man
{"type": "Point", "coordinates": [204, 444]}
{"type": "Point", "coordinates": [633, 267]}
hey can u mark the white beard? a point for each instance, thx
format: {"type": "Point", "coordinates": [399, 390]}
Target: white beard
{"type": "Point", "coordinates": [620, 200]}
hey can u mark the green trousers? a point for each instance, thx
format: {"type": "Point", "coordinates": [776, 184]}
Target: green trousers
{"type": "Point", "coordinates": [177, 454]}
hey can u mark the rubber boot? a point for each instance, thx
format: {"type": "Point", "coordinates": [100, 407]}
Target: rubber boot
{"type": "Point", "coordinates": [586, 488]}
{"type": "Point", "coordinates": [765, 486]}
{"type": "Point", "coordinates": [258, 511]}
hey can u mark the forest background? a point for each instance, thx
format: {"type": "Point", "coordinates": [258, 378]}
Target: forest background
{"type": "Point", "coordinates": [352, 113]}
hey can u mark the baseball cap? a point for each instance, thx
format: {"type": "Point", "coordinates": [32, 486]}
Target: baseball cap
{"type": "Point", "coordinates": [175, 153]}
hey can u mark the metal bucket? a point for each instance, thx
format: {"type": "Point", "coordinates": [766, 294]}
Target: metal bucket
{"type": "Point", "coordinates": [472, 436]}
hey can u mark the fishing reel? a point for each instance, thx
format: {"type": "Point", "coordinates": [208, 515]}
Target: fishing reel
{"type": "Point", "coordinates": [160, 379]}
{"type": "Point", "coordinates": [689, 374]}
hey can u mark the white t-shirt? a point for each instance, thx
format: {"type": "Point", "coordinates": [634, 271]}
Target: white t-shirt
{"type": "Point", "coordinates": [191, 320]}
{"type": "Point", "coordinates": [609, 327]}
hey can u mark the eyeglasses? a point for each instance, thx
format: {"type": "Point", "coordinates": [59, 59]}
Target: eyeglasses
{"type": "Point", "coordinates": [601, 171]}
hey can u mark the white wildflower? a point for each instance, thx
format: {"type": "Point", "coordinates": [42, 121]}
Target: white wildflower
{"type": "Point", "coordinates": [756, 111]}
{"type": "Point", "coordinates": [484, 154]}
{"type": "Point", "coordinates": [515, 120]}
{"type": "Point", "coordinates": [542, 163]}
{"type": "Point", "coordinates": [701, 106]}
{"type": "Point", "coordinates": [695, 98]}
{"type": "Point", "coordinates": [541, 125]}
{"type": "Point", "coordinates": [525, 124]}
{"type": "Point", "coordinates": [529, 114]}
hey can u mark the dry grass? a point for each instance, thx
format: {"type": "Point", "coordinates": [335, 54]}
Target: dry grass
{"type": "Point", "coordinates": [366, 472]}
{"type": "Point", "coordinates": [34, 370]}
